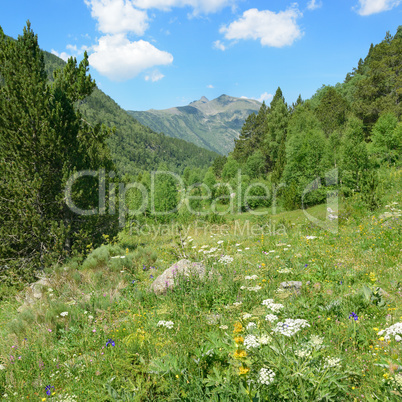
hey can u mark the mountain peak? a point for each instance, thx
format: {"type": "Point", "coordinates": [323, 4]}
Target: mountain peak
{"type": "Point", "coordinates": [204, 99]}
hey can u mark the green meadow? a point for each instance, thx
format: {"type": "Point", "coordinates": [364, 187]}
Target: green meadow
{"type": "Point", "coordinates": [99, 334]}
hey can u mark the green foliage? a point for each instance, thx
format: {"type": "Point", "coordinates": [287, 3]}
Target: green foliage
{"type": "Point", "coordinates": [331, 111]}
{"type": "Point", "coordinates": [255, 164]}
{"type": "Point", "coordinates": [304, 153]}
{"type": "Point", "coordinates": [230, 169]}
{"type": "Point", "coordinates": [354, 157]}
{"type": "Point", "coordinates": [386, 145]}
{"type": "Point", "coordinates": [165, 195]}
{"type": "Point", "coordinates": [381, 89]}
{"type": "Point", "coordinates": [36, 225]}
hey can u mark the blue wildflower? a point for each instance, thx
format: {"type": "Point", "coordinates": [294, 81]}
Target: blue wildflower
{"type": "Point", "coordinates": [110, 342]}
{"type": "Point", "coordinates": [48, 389]}
{"type": "Point", "coordinates": [354, 316]}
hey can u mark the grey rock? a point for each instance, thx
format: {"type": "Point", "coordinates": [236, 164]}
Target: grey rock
{"type": "Point", "coordinates": [32, 293]}
{"type": "Point", "coordinates": [186, 268]}
{"type": "Point", "coordinates": [291, 285]}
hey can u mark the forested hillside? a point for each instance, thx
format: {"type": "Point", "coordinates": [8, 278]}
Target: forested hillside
{"type": "Point", "coordinates": [354, 126]}
{"type": "Point", "coordinates": [133, 146]}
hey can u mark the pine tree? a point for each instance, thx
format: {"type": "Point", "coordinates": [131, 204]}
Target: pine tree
{"type": "Point", "coordinates": [276, 126]}
{"type": "Point", "coordinates": [354, 157]}
{"type": "Point", "coordinates": [43, 141]}
{"type": "Point", "coordinates": [331, 110]}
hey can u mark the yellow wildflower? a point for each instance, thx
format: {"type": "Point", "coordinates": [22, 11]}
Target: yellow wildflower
{"type": "Point", "coordinates": [238, 328]}
{"type": "Point", "coordinates": [243, 370]}
{"type": "Point", "coordinates": [239, 339]}
{"type": "Point", "coordinates": [239, 354]}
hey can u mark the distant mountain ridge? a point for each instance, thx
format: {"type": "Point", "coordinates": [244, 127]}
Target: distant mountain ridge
{"type": "Point", "coordinates": [135, 147]}
{"type": "Point", "coordinates": [211, 124]}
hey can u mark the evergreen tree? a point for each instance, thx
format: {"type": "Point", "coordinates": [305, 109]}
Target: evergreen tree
{"type": "Point", "coordinates": [276, 126]}
{"type": "Point", "coordinates": [304, 152]}
{"type": "Point", "coordinates": [218, 165]}
{"type": "Point", "coordinates": [354, 157]}
{"type": "Point", "coordinates": [43, 141]}
{"type": "Point", "coordinates": [331, 110]}
{"type": "Point", "coordinates": [165, 194]}
{"type": "Point", "coordinates": [255, 164]}
{"type": "Point", "coordinates": [230, 169]}
{"type": "Point", "coordinates": [386, 137]}
{"type": "Point", "coordinates": [380, 91]}
{"type": "Point", "coordinates": [251, 136]}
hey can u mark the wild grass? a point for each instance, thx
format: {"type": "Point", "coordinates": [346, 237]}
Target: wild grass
{"type": "Point", "coordinates": [94, 336]}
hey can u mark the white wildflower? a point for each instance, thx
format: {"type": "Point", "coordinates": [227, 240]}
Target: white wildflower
{"type": "Point", "coordinates": [64, 313]}
{"type": "Point", "coordinates": [226, 259]}
{"type": "Point", "coordinates": [251, 341]}
{"type": "Point", "coordinates": [251, 278]}
{"type": "Point", "coordinates": [397, 380]}
{"type": "Point", "coordinates": [266, 376]}
{"type": "Point", "coordinates": [394, 330]}
{"type": "Point", "coordinates": [290, 326]}
{"type": "Point", "coordinates": [237, 303]}
{"type": "Point", "coordinates": [311, 237]}
{"type": "Point", "coordinates": [2, 367]}
{"type": "Point", "coordinates": [303, 353]}
{"type": "Point", "coordinates": [223, 327]}
{"type": "Point", "coordinates": [167, 324]}
{"type": "Point", "coordinates": [274, 307]}
{"type": "Point", "coordinates": [316, 340]}
{"type": "Point", "coordinates": [285, 271]}
{"type": "Point", "coordinates": [254, 288]}
{"type": "Point", "coordinates": [247, 316]}
{"type": "Point", "coordinates": [220, 241]}
{"type": "Point", "coordinates": [271, 317]}
{"type": "Point", "coordinates": [264, 339]}
{"type": "Point", "coordinates": [332, 362]}
{"type": "Point", "coordinates": [251, 325]}
{"type": "Point", "coordinates": [90, 317]}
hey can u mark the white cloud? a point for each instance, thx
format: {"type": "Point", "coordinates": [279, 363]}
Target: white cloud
{"type": "Point", "coordinates": [154, 76]}
{"type": "Point", "coordinates": [219, 45]}
{"type": "Point", "coordinates": [210, 86]}
{"type": "Point", "coordinates": [314, 4]}
{"type": "Point", "coordinates": [265, 97]}
{"type": "Point", "coordinates": [368, 7]}
{"type": "Point", "coordinates": [199, 6]}
{"type": "Point", "coordinates": [74, 51]}
{"type": "Point", "coordinates": [62, 55]}
{"type": "Point", "coordinates": [119, 59]}
{"type": "Point", "coordinates": [118, 16]}
{"type": "Point", "coordinates": [273, 29]}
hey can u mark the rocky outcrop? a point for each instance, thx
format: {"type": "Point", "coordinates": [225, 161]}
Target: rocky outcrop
{"type": "Point", "coordinates": [186, 268]}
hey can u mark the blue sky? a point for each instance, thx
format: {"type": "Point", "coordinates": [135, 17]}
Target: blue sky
{"type": "Point", "coordinates": [163, 53]}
